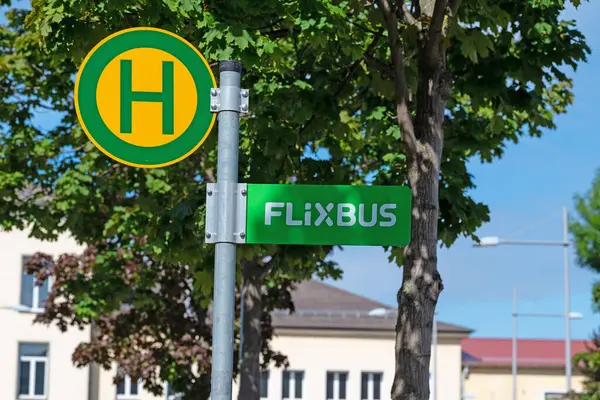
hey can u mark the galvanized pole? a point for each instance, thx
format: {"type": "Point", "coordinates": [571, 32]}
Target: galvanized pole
{"type": "Point", "coordinates": [567, 300]}
{"type": "Point", "coordinates": [225, 257]}
{"type": "Point", "coordinates": [514, 346]}
{"type": "Point", "coordinates": [94, 368]}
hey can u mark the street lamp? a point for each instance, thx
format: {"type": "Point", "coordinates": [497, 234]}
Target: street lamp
{"type": "Point", "coordinates": [516, 315]}
{"type": "Point", "coordinates": [496, 241]}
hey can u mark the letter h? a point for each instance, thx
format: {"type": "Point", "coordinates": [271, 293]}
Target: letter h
{"type": "Point", "coordinates": [166, 97]}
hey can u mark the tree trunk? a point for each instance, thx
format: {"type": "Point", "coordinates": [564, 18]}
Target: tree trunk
{"type": "Point", "coordinates": [421, 281]}
{"type": "Point", "coordinates": [252, 343]}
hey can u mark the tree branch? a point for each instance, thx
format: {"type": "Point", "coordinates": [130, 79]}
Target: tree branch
{"type": "Point", "coordinates": [356, 63]}
{"type": "Point", "coordinates": [268, 267]}
{"type": "Point", "coordinates": [453, 5]}
{"type": "Point", "coordinates": [271, 25]}
{"type": "Point", "coordinates": [278, 33]}
{"type": "Point", "coordinates": [348, 76]}
{"type": "Point", "coordinates": [380, 66]}
{"type": "Point", "coordinates": [404, 117]}
{"type": "Point", "coordinates": [406, 16]}
{"type": "Point", "coordinates": [435, 33]}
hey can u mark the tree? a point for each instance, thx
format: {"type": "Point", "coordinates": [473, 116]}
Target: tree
{"type": "Point", "coordinates": [466, 77]}
{"type": "Point", "coordinates": [163, 322]}
{"type": "Point", "coordinates": [400, 83]}
{"type": "Point", "coordinates": [54, 180]}
{"type": "Point", "coordinates": [585, 228]}
{"type": "Point", "coordinates": [69, 186]}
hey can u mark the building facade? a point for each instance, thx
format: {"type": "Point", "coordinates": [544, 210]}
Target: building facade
{"type": "Point", "coordinates": [540, 368]}
{"type": "Point", "coordinates": [340, 347]}
{"type": "Point", "coordinates": [36, 359]}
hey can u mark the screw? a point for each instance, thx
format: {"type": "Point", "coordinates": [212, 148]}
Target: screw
{"type": "Point", "coordinates": [208, 235]}
{"type": "Point", "coordinates": [210, 192]}
{"type": "Point", "coordinates": [244, 108]}
{"type": "Point", "coordinates": [244, 192]}
{"type": "Point", "coordinates": [214, 92]}
{"type": "Point", "coordinates": [242, 235]}
{"type": "Point", "coordinates": [244, 93]}
{"type": "Point", "coordinates": [213, 106]}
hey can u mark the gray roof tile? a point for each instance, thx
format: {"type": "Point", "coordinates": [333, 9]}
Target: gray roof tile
{"type": "Point", "coordinates": [321, 306]}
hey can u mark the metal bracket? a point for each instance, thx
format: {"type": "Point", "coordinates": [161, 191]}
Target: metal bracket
{"type": "Point", "coordinates": [212, 212]}
{"type": "Point", "coordinates": [219, 101]}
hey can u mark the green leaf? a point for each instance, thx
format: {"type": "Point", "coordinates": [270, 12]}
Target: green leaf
{"type": "Point", "coordinates": [497, 124]}
{"type": "Point", "coordinates": [475, 45]}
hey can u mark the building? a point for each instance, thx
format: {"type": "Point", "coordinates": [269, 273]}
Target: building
{"type": "Point", "coordinates": [36, 360]}
{"type": "Point", "coordinates": [340, 347]}
{"type": "Point", "coordinates": [540, 368]}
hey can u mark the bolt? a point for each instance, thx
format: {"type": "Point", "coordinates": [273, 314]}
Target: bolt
{"type": "Point", "coordinates": [244, 192]}
{"type": "Point", "coordinates": [210, 192]}
{"type": "Point", "coordinates": [244, 108]}
{"type": "Point", "coordinates": [213, 106]}
{"type": "Point", "coordinates": [208, 235]}
{"type": "Point", "coordinates": [214, 92]}
{"type": "Point", "coordinates": [242, 235]}
{"type": "Point", "coordinates": [244, 93]}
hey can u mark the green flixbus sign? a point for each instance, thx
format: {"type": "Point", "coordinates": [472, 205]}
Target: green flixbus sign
{"type": "Point", "coordinates": [319, 215]}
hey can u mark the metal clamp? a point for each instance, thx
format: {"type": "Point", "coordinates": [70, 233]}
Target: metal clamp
{"type": "Point", "coordinates": [224, 99]}
{"type": "Point", "coordinates": [212, 208]}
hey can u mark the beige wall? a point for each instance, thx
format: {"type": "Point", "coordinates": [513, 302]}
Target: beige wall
{"type": "Point", "coordinates": [317, 352]}
{"type": "Point", "coordinates": [65, 381]}
{"type": "Point", "coordinates": [495, 383]}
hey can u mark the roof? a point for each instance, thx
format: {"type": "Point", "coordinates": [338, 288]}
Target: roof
{"type": "Point", "coordinates": [322, 306]}
{"type": "Point", "coordinates": [530, 352]}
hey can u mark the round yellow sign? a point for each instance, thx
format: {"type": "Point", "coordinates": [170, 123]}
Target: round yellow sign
{"type": "Point", "coordinates": [142, 96]}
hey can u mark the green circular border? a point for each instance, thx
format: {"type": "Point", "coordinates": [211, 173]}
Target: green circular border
{"type": "Point", "coordinates": [105, 138]}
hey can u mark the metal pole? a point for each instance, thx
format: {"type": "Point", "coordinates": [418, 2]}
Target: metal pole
{"type": "Point", "coordinates": [225, 258]}
{"type": "Point", "coordinates": [567, 300]}
{"type": "Point", "coordinates": [94, 369]}
{"type": "Point", "coordinates": [514, 345]}
{"type": "Point", "coordinates": [435, 347]}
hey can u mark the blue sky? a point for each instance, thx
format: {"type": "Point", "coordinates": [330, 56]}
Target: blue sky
{"type": "Point", "coordinates": [525, 191]}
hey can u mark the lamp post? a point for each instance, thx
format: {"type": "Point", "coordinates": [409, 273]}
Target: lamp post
{"type": "Point", "coordinates": [516, 315]}
{"type": "Point", "coordinates": [496, 241]}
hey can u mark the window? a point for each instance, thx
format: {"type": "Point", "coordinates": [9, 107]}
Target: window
{"type": "Point", "coordinates": [370, 386]}
{"type": "Point", "coordinates": [292, 385]}
{"type": "Point", "coordinates": [336, 385]}
{"type": "Point", "coordinates": [32, 295]}
{"type": "Point", "coordinates": [33, 370]}
{"type": "Point", "coordinates": [127, 389]}
{"type": "Point", "coordinates": [264, 384]}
